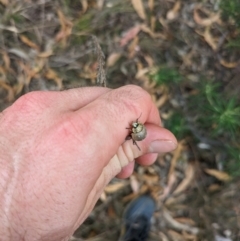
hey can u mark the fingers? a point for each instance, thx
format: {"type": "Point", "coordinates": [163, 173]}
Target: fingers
{"type": "Point", "coordinates": [127, 170]}
{"type": "Point", "coordinates": [67, 100]}
{"type": "Point", "coordinates": [158, 141]}
{"type": "Point", "coordinates": [107, 118]}
{"type": "Point", "coordinates": [75, 99]}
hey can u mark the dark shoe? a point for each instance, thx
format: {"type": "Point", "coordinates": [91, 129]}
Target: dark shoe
{"type": "Point", "coordinates": [137, 219]}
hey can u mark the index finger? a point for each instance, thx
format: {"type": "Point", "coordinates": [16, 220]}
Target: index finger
{"type": "Point", "coordinates": [103, 122]}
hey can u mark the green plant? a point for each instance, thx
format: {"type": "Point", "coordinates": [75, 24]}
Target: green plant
{"type": "Point", "coordinates": [230, 9]}
{"type": "Point", "coordinates": [166, 76]}
{"type": "Point", "coordinates": [177, 124]}
{"type": "Point", "coordinates": [220, 113]}
{"type": "Point", "coordinates": [233, 164]}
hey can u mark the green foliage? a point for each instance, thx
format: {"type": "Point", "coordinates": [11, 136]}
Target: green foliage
{"type": "Point", "coordinates": [233, 165]}
{"type": "Point", "coordinates": [84, 23]}
{"type": "Point", "coordinates": [234, 43]}
{"type": "Point", "coordinates": [219, 112]}
{"type": "Point", "coordinates": [167, 76]}
{"type": "Point", "coordinates": [217, 116]}
{"type": "Point", "coordinates": [230, 9]}
{"type": "Point", "coordinates": [177, 124]}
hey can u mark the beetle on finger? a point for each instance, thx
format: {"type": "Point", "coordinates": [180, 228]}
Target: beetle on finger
{"type": "Point", "coordinates": [138, 132]}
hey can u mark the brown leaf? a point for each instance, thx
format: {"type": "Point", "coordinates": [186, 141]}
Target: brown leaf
{"type": "Point", "coordinates": [205, 21]}
{"type": "Point", "coordinates": [138, 6]}
{"type": "Point", "coordinates": [9, 89]}
{"type": "Point", "coordinates": [229, 65]}
{"type": "Point", "coordinates": [66, 28]}
{"type": "Point", "coordinates": [222, 176]}
{"type": "Point", "coordinates": [4, 2]}
{"type": "Point", "coordinates": [111, 188]}
{"type": "Point", "coordinates": [45, 54]}
{"type": "Point", "coordinates": [6, 60]}
{"type": "Point", "coordinates": [28, 42]}
{"type": "Point", "coordinates": [151, 5]}
{"type": "Point", "coordinates": [173, 13]}
{"type": "Point", "coordinates": [134, 183]}
{"type": "Point", "coordinates": [185, 220]}
{"type": "Point", "coordinates": [100, 4]}
{"type": "Point", "coordinates": [51, 74]}
{"type": "Point", "coordinates": [162, 100]}
{"type": "Point", "coordinates": [84, 5]}
{"type": "Point", "coordinates": [129, 35]}
{"type": "Point", "coordinates": [209, 38]}
{"type": "Point", "coordinates": [113, 58]}
{"type": "Point", "coordinates": [175, 235]}
{"type": "Point", "coordinates": [186, 182]}
{"type": "Point", "coordinates": [177, 225]}
{"type": "Point", "coordinates": [133, 47]}
{"type": "Point", "coordinates": [152, 34]}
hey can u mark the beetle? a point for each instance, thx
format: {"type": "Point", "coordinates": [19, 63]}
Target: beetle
{"type": "Point", "coordinates": [138, 132]}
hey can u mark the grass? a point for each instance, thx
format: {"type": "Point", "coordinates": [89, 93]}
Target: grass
{"type": "Point", "coordinates": [216, 114]}
{"type": "Point", "coordinates": [230, 10]}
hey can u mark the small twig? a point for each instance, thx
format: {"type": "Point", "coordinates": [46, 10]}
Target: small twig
{"type": "Point", "coordinates": [101, 75]}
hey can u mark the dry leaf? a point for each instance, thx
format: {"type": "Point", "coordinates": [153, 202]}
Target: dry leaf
{"type": "Point", "coordinates": [9, 28]}
{"type": "Point", "coordinates": [173, 13]}
{"type": "Point", "coordinates": [9, 89]}
{"type": "Point", "coordinates": [189, 175]}
{"type": "Point", "coordinates": [6, 60]}
{"type": "Point", "coordinates": [214, 187]}
{"type": "Point", "coordinates": [4, 2]}
{"type": "Point", "coordinates": [133, 47]}
{"type": "Point", "coordinates": [163, 237]}
{"type": "Point", "coordinates": [111, 188]}
{"type": "Point", "coordinates": [205, 21]}
{"type": "Point", "coordinates": [103, 197]}
{"type": "Point", "coordinates": [28, 42]}
{"type": "Point", "coordinates": [209, 38]}
{"type": "Point", "coordinates": [51, 74]}
{"type": "Point", "coordinates": [185, 220]}
{"type": "Point", "coordinates": [129, 35]}
{"type": "Point", "coordinates": [222, 176]}
{"type": "Point", "coordinates": [176, 155]}
{"type": "Point", "coordinates": [162, 100]}
{"type": "Point", "coordinates": [113, 58]}
{"type": "Point", "coordinates": [153, 23]}
{"type": "Point", "coordinates": [229, 65]}
{"type": "Point", "coordinates": [100, 4]}
{"type": "Point", "coordinates": [175, 235]}
{"type": "Point", "coordinates": [189, 237]}
{"type": "Point", "coordinates": [149, 60]}
{"type": "Point", "coordinates": [151, 5]}
{"type": "Point", "coordinates": [84, 5]}
{"type": "Point", "coordinates": [134, 184]}
{"type": "Point", "coordinates": [177, 225]}
{"type": "Point", "coordinates": [138, 6]}
{"type": "Point", "coordinates": [152, 34]}
{"type": "Point", "coordinates": [66, 28]}
{"type": "Point", "coordinates": [45, 54]}
{"type": "Point", "coordinates": [141, 73]}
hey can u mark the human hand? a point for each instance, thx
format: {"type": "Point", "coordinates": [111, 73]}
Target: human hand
{"type": "Point", "coordinates": [58, 150]}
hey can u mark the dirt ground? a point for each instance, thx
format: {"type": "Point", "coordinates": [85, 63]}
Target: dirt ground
{"type": "Point", "coordinates": [55, 45]}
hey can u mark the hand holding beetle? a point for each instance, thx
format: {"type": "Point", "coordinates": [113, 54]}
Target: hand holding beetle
{"type": "Point", "coordinates": [58, 150]}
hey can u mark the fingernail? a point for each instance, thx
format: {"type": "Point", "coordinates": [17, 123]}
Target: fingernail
{"type": "Point", "coordinates": [160, 146]}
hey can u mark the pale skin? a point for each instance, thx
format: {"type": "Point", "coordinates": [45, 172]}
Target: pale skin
{"type": "Point", "coordinates": [58, 150]}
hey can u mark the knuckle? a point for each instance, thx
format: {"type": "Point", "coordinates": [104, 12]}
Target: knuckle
{"type": "Point", "coordinates": [30, 102]}
{"type": "Point", "coordinates": [129, 98]}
